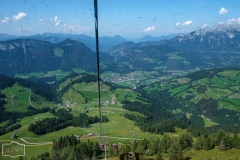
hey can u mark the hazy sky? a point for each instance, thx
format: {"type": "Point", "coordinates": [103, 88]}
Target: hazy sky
{"type": "Point", "coordinates": [128, 18]}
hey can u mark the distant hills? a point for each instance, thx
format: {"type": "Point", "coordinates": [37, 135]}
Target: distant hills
{"type": "Point", "coordinates": [105, 42]}
{"type": "Point", "coordinates": [149, 38]}
{"type": "Point", "coordinates": [5, 37]}
{"type": "Point", "coordinates": [28, 55]}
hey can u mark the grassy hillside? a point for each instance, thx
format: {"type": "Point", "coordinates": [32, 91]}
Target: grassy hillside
{"type": "Point", "coordinates": [82, 97]}
{"type": "Point", "coordinates": [119, 129]}
{"type": "Point", "coordinates": [18, 98]}
{"type": "Point", "coordinates": [219, 85]}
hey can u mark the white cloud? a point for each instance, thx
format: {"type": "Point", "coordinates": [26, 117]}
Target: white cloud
{"type": "Point", "coordinates": [73, 27]}
{"type": "Point", "coordinates": [5, 20]}
{"type": "Point", "coordinates": [205, 25]}
{"type": "Point", "coordinates": [223, 11]}
{"type": "Point", "coordinates": [234, 21]}
{"type": "Point", "coordinates": [57, 21]}
{"type": "Point", "coordinates": [42, 20]}
{"type": "Point", "coordinates": [220, 22]}
{"type": "Point", "coordinates": [149, 29]}
{"type": "Point", "coordinates": [55, 18]}
{"type": "Point", "coordinates": [189, 22]}
{"type": "Point", "coordinates": [19, 16]}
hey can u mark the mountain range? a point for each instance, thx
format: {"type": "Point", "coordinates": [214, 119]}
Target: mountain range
{"type": "Point", "coordinates": [105, 42]}
{"type": "Point", "coordinates": [221, 37]}
{"type": "Point", "coordinates": [149, 38]}
{"type": "Point", "coordinates": [206, 48]}
{"type": "Point", "coordinates": [5, 37]}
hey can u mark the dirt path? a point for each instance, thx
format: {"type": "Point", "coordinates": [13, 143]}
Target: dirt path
{"type": "Point", "coordinates": [12, 97]}
{"type": "Point", "coordinates": [30, 98]}
{"type": "Point", "coordinates": [34, 144]}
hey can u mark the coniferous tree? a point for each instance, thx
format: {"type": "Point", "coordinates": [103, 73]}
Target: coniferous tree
{"type": "Point", "coordinates": [110, 150]}
{"type": "Point", "coordinates": [219, 137]}
{"type": "Point", "coordinates": [134, 145]}
{"type": "Point", "coordinates": [159, 156]}
{"type": "Point", "coordinates": [72, 155]}
{"type": "Point", "coordinates": [65, 152]}
{"type": "Point", "coordinates": [226, 143]}
{"type": "Point", "coordinates": [140, 148]}
{"type": "Point", "coordinates": [173, 153]}
{"type": "Point", "coordinates": [222, 145]}
{"type": "Point", "coordinates": [94, 156]}
{"type": "Point", "coordinates": [153, 146]}
{"type": "Point", "coordinates": [207, 145]}
{"type": "Point", "coordinates": [55, 152]}
{"type": "Point", "coordinates": [185, 141]}
{"type": "Point", "coordinates": [236, 141]}
{"type": "Point", "coordinates": [165, 144]}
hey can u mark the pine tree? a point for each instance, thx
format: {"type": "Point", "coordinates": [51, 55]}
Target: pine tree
{"type": "Point", "coordinates": [226, 143]}
{"type": "Point", "coordinates": [72, 154]}
{"type": "Point", "coordinates": [219, 136]}
{"type": "Point", "coordinates": [159, 156]}
{"type": "Point", "coordinates": [175, 152]}
{"type": "Point", "coordinates": [185, 141]}
{"type": "Point", "coordinates": [94, 156]}
{"type": "Point", "coordinates": [236, 141]}
{"type": "Point", "coordinates": [165, 144]}
{"type": "Point", "coordinates": [207, 145]}
{"type": "Point", "coordinates": [65, 152]}
{"type": "Point", "coordinates": [153, 147]}
{"type": "Point", "coordinates": [55, 152]}
{"type": "Point", "coordinates": [140, 148]}
{"type": "Point", "coordinates": [134, 146]}
{"type": "Point", "coordinates": [110, 150]}
{"type": "Point", "coordinates": [222, 145]}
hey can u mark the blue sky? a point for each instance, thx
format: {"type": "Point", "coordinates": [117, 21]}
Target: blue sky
{"type": "Point", "coordinates": [128, 18]}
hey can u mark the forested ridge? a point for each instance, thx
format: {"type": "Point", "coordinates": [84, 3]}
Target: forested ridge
{"type": "Point", "coordinates": [161, 104]}
{"type": "Point", "coordinates": [15, 117]}
{"type": "Point", "coordinates": [48, 91]}
{"type": "Point", "coordinates": [62, 117]}
{"type": "Point", "coordinates": [158, 119]}
{"type": "Point", "coordinates": [62, 120]}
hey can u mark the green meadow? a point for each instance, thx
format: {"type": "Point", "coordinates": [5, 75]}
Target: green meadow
{"type": "Point", "coordinates": [19, 98]}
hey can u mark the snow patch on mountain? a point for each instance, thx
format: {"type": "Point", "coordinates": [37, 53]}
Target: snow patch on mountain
{"type": "Point", "coordinates": [216, 32]}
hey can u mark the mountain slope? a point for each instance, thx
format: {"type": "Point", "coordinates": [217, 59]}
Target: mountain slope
{"type": "Point", "coordinates": [5, 37]}
{"type": "Point", "coordinates": [149, 38]}
{"type": "Point", "coordinates": [26, 56]}
{"type": "Point", "coordinates": [106, 42]}
{"type": "Point", "coordinates": [221, 37]}
{"type": "Point", "coordinates": [155, 56]}
{"type": "Point", "coordinates": [212, 93]}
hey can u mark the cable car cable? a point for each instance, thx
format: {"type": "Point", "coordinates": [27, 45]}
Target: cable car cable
{"type": "Point", "coordinates": [97, 54]}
